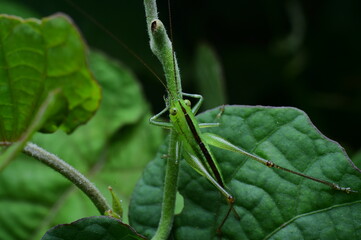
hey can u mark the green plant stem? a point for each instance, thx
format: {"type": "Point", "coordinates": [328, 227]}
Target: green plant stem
{"type": "Point", "coordinates": [161, 46]}
{"type": "Point", "coordinates": [70, 173]}
{"type": "Point", "coordinates": [170, 189]}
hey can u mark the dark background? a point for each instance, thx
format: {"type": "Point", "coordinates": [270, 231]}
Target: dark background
{"type": "Point", "coordinates": [304, 54]}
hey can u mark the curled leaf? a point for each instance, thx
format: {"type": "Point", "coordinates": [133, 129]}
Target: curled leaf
{"type": "Point", "coordinates": [36, 57]}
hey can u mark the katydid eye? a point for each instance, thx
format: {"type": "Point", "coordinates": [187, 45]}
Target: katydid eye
{"type": "Point", "coordinates": [187, 102]}
{"type": "Point", "coordinates": [173, 111]}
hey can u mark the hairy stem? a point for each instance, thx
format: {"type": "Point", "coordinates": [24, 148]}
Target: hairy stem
{"type": "Point", "coordinates": [170, 189]}
{"type": "Point", "coordinates": [70, 173]}
{"type": "Point", "coordinates": [161, 46]}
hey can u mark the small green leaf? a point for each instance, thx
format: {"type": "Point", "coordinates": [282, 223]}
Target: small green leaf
{"type": "Point", "coordinates": [93, 228]}
{"type": "Point", "coordinates": [272, 204]}
{"type": "Point", "coordinates": [36, 57]}
{"type": "Point", "coordinates": [117, 209]}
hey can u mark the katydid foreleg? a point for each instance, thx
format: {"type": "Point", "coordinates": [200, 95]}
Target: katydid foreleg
{"type": "Point", "coordinates": [153, 120]}
{"type": "Point", "coordinates": [167, 125]}
{"type": "Point", "coordinates": [196, 106]}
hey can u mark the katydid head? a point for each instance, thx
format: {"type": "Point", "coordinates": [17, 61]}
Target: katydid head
{"type": "Point", "coordinates": [178, 107]}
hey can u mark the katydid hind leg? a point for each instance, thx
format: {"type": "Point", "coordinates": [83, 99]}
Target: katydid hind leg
{"type": "Point", "coordinates": [219, 142]}
{"type": "Point", "coordinates": [198, 166]}
{"type": "Point", "coordinates": [231, 208]}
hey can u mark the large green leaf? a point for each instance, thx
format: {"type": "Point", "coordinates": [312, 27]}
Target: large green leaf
{"type": "Point", "coordinates": [272, 204]}
{"type": "Point", "coordinates": [111, 149]}
{"type": "Point", "coordinates": [93, 228]}
{"type": "Point", "coordinates": [36, 57]}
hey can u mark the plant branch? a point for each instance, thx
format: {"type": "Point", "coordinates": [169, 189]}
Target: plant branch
{"type": "Point", "coordinates": [170, 189]}
{"type": "Point", "coordinates": [70, 173]}
{"type": "Point", "coordinates": [162, 47]}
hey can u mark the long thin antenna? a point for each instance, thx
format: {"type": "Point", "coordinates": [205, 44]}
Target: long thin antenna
{"type": "Point", "coordinates": [115, 38]}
